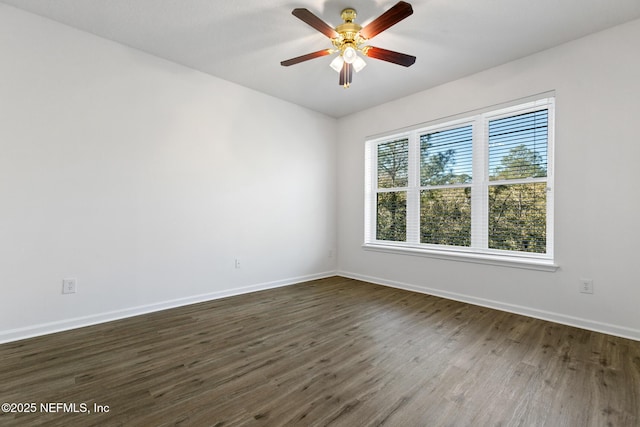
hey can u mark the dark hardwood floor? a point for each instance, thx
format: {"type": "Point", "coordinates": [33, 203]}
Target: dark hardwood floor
{"type": "Point", "coordinates": [333, 352]}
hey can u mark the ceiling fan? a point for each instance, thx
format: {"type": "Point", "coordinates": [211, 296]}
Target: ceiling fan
{"type": "Point", "coordinates": [348, 39]}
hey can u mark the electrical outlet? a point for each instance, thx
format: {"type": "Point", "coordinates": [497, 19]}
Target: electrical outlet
{"type": "Point", "coordinates": [586, 286]}
{"type": "Point", "coordinates": [237, 263]}
{"type": "Point", "coordinates": [69, 286]}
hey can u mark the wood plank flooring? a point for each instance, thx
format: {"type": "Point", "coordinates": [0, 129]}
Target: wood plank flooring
{"type": "Point", "coordinates": [335, 352]}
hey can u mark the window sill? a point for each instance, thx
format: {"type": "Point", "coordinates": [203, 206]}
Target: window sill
{"type": "Point", "coordinates": [529, 263]}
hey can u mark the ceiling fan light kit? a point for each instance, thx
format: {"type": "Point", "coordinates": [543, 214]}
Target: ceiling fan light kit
{"type": "Point", "coordinates": [349, 38]}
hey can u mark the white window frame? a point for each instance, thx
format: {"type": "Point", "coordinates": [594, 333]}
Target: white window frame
{"type": "Point", "coordinates": [478, 251]}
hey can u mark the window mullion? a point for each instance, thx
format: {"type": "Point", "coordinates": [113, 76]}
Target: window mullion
{"type": "Point", "coordinates": [479, 190]}
{"type": "Point", "coordinates": [413, 192]}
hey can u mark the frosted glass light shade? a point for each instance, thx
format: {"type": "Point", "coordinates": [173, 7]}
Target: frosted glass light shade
{"type": "Point", "coordinates": [349, 55]}
{"type": "Point", "coordinates": [337, 62]}
{"type": "Point", "coordinates": [359, 64]}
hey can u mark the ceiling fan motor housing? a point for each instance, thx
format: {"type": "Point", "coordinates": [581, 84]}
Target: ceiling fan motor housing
{"type": "Point", "coordinates": [349, 32]}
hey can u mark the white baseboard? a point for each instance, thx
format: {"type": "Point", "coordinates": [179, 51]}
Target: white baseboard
{"type": "Point", "coordinates": [79, 322]}
{"type": "Point", "coordinates": [620, 331]}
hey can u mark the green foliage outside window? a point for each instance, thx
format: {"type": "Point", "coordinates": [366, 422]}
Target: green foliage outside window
{"type": "Point", "coordinates": [445, 216]}
{"type": "Point", "coordinates": [445, 213]}
{"type": "Point", "coordinates": [393, 172]}
{"type": "Point", "coordinates": [518, 217]}
{"type": "Point", "coordinates": [518, 211]}
{"type": "Point", "coordinates": [392, 216]}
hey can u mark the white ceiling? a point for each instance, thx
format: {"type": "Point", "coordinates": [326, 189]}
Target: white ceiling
{"type": "Point", "coordinates": [243, 41]}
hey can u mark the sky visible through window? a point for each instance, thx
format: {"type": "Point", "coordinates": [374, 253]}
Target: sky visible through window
{"type": "Point", "coordinates": [446, 156]}
{"type": "Point", "coordinates": [518, 146]}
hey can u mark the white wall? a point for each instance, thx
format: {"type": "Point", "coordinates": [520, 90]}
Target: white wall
{"type": "Point", "coordinates": [597, 85]}
{"type": "Point", "coordinates": [144, 180]}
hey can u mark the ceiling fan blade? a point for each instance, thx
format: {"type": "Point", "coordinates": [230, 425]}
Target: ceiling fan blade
{"type": "Point", "coordinates": [306, 57]}
{"type": "Point", "coordinates": [391, 17]}
{"type": "Point", "coordinates": [346, 75]}
{"type": "Point", "coordinates": [315, 22]}
{"type": "Point", "coordinates": [389, 56]}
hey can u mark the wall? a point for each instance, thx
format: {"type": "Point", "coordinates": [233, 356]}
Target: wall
{"type": "Point", "coordinates": [145, 180]}
{"type": "Point", "coordinates": [597, 152]}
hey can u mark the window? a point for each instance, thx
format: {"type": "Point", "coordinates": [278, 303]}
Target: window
{"type": "Point", "coordinates": [393, 174]}
{"type": "Point", "coordinates": [445, 186]}
{"type": "Point", "coordinates": [479, 187]}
